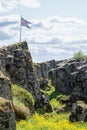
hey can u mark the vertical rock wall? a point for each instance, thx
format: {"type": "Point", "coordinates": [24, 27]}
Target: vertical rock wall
{"type": "Point", "coordinates": [17, 63]}
{"type": "Point", "coordinates": [7, 118]}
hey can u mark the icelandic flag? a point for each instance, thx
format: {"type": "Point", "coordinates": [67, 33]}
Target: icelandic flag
{"type": "Point", "coordinates": [25, 23]}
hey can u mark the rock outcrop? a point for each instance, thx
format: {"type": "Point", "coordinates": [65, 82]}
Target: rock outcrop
{"type": "Point", "coordinates": [78, 112]}
{"type": "Point", "coordinates": [7, 118]}
{"type": "Point", "coordinates": [16, 67]}
{"type": "Point", "coordinates": [70, 77]}
{"type": "Point", "coordinates": [43, 68]}
{"type": "Point", "coordinates": [17, 64]}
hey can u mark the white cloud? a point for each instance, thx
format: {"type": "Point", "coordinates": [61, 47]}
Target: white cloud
{"type": "Point", "coordinates": [30, 3]}
{"type": "Point", "coordinates": [51, 38]}
{"type": "Point", "coordinates": [7, 5]}
{"type": "Point", "coordinates": [72, 20]}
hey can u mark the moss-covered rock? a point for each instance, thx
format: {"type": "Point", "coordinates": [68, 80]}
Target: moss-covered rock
{"type": "Point", "coordinates": [23, 102]}
{"type": "Point", "coordinates": [21, 112]}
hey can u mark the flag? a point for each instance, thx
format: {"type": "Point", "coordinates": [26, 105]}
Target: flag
{"type": "Point", "coordinates": [25, 23]}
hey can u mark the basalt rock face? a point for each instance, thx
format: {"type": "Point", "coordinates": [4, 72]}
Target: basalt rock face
{"type": "Point", "coordinates": [70, 77]}
{"type": "Point", "coordinates": [16, 67]}
{"type": "Point", "coordinates": [78, 112]}
{"type": "Point", "coordinates": [7, 118]}
{"type": "Point", "coordinates": [16, 63]}
{"type": "Point", "coordinates": [43, 68]}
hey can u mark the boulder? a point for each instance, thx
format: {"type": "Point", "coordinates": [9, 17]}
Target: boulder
{"type": "Point", "coordinates": [78, 112]}
{"type": "Point", "coordinates": [44, 84]}
{"type": "Point", "coordinates": [7, 120]}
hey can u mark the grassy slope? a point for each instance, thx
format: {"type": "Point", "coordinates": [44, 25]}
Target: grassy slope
{"type": "Point", "coordinates": [23, 102]}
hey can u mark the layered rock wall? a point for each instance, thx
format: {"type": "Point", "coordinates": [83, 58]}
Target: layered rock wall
{"type": "Point", "coordinates": [70, 77]}
{"type": "Point", "coordinates": [43, 68]}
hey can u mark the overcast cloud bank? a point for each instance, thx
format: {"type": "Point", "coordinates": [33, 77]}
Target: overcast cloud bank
{"type": "Point", "coordinates": [51, 38]}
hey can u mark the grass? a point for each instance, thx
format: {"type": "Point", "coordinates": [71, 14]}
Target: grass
{"type": "Point", "coordinates": [48, 121]}
{"type": "Point", "coordinates": [54, 96]}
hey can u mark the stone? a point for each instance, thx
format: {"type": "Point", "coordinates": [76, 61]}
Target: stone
{"type": "Point", "coordinates": [21, 69]}
{"type": "Point", "coordinates": [5, 88]}
{"type": "Point", "coordinates": [7, 120]}
{"type": "Point", "coordinates": [44, 84]}
{"type": "Point", "coordinates": [43, 68]}
{"type": "Point", "coordinates": [78, 112]}
{"type": "Point", "coordinates": [9, 60]}
{"type": "Point", "coordinates": [70, 77]}
{"type": "Point", "coordinates": [7, 117]}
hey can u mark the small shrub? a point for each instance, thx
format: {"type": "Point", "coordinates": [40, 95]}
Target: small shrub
{"type": "Point", "coordinates": [79, 55]}
{"type": "Point", "coordinates": [36, 65]}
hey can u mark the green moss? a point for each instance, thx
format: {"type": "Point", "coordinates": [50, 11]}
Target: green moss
{"type": "Point", "coordinates": [23, 102]}
{"type": "Point", "coordinates": [22, 95]}
{"type": "Point", "coordinates": [54, 97]}
{"type": "Point", "coordinates": [49, 90]}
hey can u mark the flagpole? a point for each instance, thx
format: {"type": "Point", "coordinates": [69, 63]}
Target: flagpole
{"type": "Point", "coordinates": [20, 28]}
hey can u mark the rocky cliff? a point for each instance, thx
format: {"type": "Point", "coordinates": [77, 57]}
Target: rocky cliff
{"type": "Point", "coordinates": [7, 118]}
{"type": "Point", "coordinates": [68, 77]}
{"type": "Point", "coordinates": [16, 67]}
{"type": "Point", "coordinates": [43, 68]}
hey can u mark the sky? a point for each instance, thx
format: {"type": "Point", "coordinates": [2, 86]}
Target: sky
{"type": "Point", "coordinates": [59, 27]}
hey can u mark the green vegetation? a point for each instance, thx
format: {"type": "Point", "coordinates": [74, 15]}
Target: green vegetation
{"type": "Point", "coordinates": [54, 96]}
{"type": "Point", "coordinates": [23, 102]}
{"type": "Point", "coordinates": [48, 121]}
{"type": "Point", "coordinates": [79, 55]}
{"type": "Point", "coordinates": [50, 89]}
{"type": "Point", "coordinates": [21, 95]}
